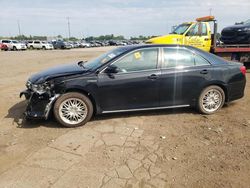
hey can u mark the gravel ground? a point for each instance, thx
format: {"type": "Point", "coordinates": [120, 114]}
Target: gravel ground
{"type": "Point", "coordinates": [165, 148]}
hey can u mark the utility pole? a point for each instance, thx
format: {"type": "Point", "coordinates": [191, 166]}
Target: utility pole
{"type": "Point", "coordinates": [19, 29]}
{"type": "Point", "coordinates": [68, 26]}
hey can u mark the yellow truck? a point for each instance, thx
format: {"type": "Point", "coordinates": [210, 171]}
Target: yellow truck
{"type": "Point", "coordinates": [199, 34]}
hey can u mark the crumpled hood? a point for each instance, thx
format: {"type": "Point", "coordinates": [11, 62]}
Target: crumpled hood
{"type": "Point", "coordinates": [167, 39]}
{"type": "Point", "coordinates": [63, 70]}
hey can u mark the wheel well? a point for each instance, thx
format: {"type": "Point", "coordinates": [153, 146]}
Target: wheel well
{"type": "Point", "coordinates": [223, 88]}
{"type": "Point", "coordinates": [87, 94]}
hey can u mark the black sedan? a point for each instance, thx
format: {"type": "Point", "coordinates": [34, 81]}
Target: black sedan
{"type": "Point", "coordinates": [236, 34]}
{"type": "Point", "coordinates": [131, 78]}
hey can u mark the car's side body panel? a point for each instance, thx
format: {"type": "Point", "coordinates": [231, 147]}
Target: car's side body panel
{"type": "Point", "coordinates": [139, 90]}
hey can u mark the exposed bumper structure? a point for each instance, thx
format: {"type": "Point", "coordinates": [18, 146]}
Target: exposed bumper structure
{"type": "Point", "coordinates": [39, 106]}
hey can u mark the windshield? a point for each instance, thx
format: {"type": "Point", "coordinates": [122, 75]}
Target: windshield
{"type": "Point", "coordinates": [181, 29]}
{"type": "Point", "coordinates": [104, 58]}
{"type": "Point", "coordinates": [14, 41]}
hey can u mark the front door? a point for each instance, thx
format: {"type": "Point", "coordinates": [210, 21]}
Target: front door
{"type": "Point", "coordinates": [199, 36]}
{"type": "Point", "coordinates": [135, 86]}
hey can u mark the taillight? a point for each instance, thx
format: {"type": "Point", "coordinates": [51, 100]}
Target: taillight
{"type": "Point", "coordinates": [243, 70]}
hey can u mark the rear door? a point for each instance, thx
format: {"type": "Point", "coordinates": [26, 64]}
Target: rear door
{"type": "Point", "coordinates": [135, 86]}
{"type": "Point", "coordinates": [183, 76]}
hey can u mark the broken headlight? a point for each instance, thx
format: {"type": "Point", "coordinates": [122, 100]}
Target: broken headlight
{"type": "Point", "coordinates": [40, 88]}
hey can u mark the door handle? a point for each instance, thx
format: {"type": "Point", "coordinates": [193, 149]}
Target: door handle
{"type": "Point", "coordinates": [205, 71]}
{"type": "Point", "coordinates": [153, 77]}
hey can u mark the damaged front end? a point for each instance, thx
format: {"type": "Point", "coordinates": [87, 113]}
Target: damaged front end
{"type": "Point", "coordinates": [41, 98]}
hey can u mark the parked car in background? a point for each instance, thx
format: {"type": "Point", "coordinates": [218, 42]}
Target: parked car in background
{"type": "Point", "coordinates": [134, 78]}
{"type": "Point", "coordinates": [3, 47]}
{"type": "Point", "coordinates": [85, 44]}
{"type": "Point", "coordinates": [76, 44]}
{"type": "Point", "coordinates": [61, 45]}
{"type": "Point", "coordinates": [14, 45]}
{"type": "Point", "coordinates": [37, 44]}
{"type": "Point", "coordinates": [236, 34]}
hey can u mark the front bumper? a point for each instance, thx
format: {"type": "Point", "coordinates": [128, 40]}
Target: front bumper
{"type": "Point", "coordinates": [38, 106]}
{"type": "Point", "coordinates": [23, 47]}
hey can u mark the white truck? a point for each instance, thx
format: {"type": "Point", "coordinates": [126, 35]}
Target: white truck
{"type": "Point", "coordinates": [37, 44]}
{"type": "Point", "coordinates": [14, 45]}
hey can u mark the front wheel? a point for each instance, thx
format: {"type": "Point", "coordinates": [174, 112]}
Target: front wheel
{"type": "Point", "coordinates": [73, 109]}
{"type": "Point", "coordinates": [211, 99]}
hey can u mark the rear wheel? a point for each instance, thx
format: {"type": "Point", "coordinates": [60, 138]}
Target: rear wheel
{"type": "Point", "coordinates": [73, 109]}
{"type": "Point", "coordinates": [211, 99]}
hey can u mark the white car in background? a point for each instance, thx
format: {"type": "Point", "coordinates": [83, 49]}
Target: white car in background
{"type": "Point", "coordinates": [14, 45]}
{"type": "Point", "coordinates": [37, 44]}
{"type": "Point", "coordinates": [85, 44]}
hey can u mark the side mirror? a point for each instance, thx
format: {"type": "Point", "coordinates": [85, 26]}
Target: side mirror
{"type": "Point", "coordinates": [111, 70]}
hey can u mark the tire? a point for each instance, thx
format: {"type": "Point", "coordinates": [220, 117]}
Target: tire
{"type": "Point", "coordinates": [44, 48]}
{"type": "Point", "coordinates": [14, 48]}
{"type": "Point", "coordinates": [215, 101]}
{"type": "Point", "coordinates": [69, 100]}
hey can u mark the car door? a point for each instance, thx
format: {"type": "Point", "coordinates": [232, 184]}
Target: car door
{"type": "Point", "coordinates": [37, 44]}
{"type": "Point", "coordinates": [183, 76]}
{"type": "Point", "coordinates": [198, 36]}
{"type": "Point", "coordinates": [135, 85]}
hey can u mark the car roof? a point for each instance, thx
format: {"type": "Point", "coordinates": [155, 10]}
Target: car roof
{"type": "Point", "coordinates": [210, 57]}
{"type": "Point", "coordinates": [138, 46]}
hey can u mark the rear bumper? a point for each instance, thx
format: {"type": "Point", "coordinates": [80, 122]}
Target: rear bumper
{"type": "Point", "coordinates": [236, 90]}
{"type": "Point", "coordinates": [38, 106]}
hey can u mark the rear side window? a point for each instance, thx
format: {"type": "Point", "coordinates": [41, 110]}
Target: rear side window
{"type": "Point", "coordinates": [178, 58]}
{"type": "Point", "coordinates": [199, 61]}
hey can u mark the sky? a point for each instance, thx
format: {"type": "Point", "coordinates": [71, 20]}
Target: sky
{"type": "Point", "coordinates": [118, 17]}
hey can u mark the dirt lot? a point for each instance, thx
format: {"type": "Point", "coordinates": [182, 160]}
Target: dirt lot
{"type": "Point", "coordinates": [167, 148]}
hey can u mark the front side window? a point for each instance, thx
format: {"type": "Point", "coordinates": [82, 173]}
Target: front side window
{"type": "Point", "coordinates": [199, 29]}
{"type": "Point", "coordinates": [194, 30]}
{"type": "Point", "coordinates": [145, 59]}
{"type": "Point", "coordinates": [178, 58]}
